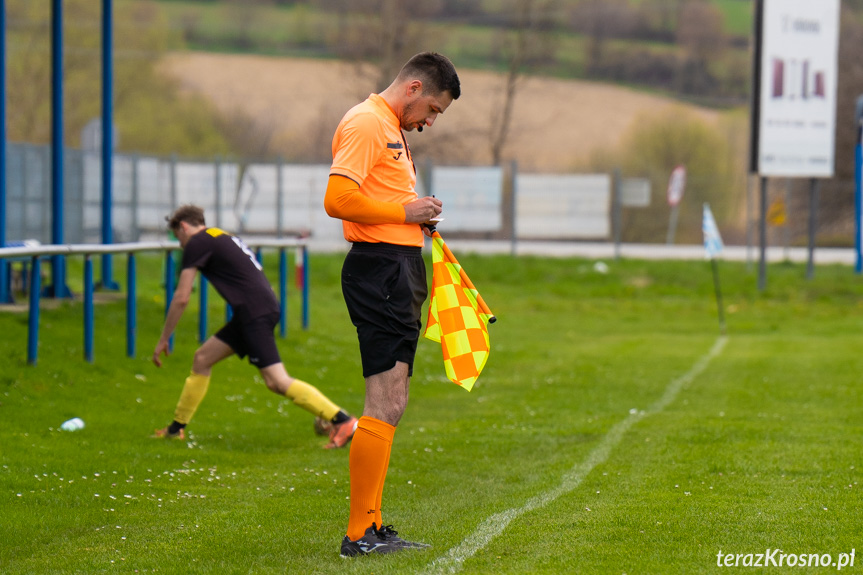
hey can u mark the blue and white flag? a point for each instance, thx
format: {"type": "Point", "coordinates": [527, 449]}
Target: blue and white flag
{"type": "Point", "coordinates": [712, 239]}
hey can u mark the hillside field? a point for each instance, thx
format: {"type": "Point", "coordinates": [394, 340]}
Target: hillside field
{"type": "Point", "coordinates": [557, 123]}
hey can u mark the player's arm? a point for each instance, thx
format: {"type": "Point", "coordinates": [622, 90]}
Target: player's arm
{"type": "Point", "coordinates": [344, 201]}
{"type": "Point", "coordinates": [181, 298]}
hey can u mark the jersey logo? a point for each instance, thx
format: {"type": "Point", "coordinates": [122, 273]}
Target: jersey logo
{"type": "Point", "coordinates": [395, 146]}
{"type": "Point", "coordinates": [215, 232]}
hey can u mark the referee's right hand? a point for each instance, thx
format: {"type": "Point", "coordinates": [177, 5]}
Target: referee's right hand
{"type": "Point", "coordinates": [162, 347]}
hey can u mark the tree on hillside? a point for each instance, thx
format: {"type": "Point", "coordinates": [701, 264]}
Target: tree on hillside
{"type": "Point", "coordinates": [700, 34]}
{"type": "Point", "coordinates": [655, 145]}
{"type": "Point", "coordinates": [520, 49]}
{"type": "Point", "coordinates": [385, 32]}
{"type": "Point", "coordinates": [393, 38]}
{"type": "Point", "coordinates": [149, 114]}
{"type": "Point", "coordinates": [849, 88]}
{"type": "Point", "coordinates": [601, 20]}
{"type": "Point", "coordinates": [837, 202]}
{"type": "Point", "coordinates": [245, 15]}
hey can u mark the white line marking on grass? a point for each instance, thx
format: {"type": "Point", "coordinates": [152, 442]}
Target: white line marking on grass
{"type": "Point", "coordinates": [453, 560]}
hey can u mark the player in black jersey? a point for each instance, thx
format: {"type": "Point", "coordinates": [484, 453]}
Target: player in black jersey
{"type": "Point", "coordinates": [238, 277]}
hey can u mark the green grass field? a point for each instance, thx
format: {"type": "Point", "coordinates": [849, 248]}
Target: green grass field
{"type": "Point", "coordinates": [612, 431]}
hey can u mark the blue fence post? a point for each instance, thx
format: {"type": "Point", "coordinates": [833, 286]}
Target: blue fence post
{"type": "Point", "coordinates": [88, 308]}
{"type": "Point", "coordinates": [305, 287]}
{"type": "Point", "coordinates": [858, 185]}
{"type": "Point", "coordinates": [202, 311]}
{"type": "Point", "coordinates": [131, 305]}
{"type": "Point", "coordinates": [5, 288]}
{"type": "Point", "coordinates": [59, 289]}
{"type": "Point", "coordinates": [169, 289]}
{"type": "Point", "coordinates": [283, 292]}
{"type": "Point", "coordinates": [858, 198]}
{"type": "Point", "coordinates": [33, 319]}
{"type": "Point", "coordinates": [107, 143]}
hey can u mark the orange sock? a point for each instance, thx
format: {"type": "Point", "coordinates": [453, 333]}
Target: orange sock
{"type": "Point", "coordinates": [369, 459]}
{"type": "Point", "coordinates": [378, 517]}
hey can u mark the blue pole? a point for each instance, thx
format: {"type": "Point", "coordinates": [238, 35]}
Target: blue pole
{"type": "Point", "coordinates": [33, 319]}
{"type": "Point", "coordinates": [283, 292]}
{"type": "Point", "coordinates": [58, 264]}
{"type": "Point", "coordinates": [88, 308]}
{"type": "Point", "coordinates": [131, 305]}
{"type": "Point", "coordinates": [305, 287]}
{"type": "Point", "coordinates": [858, 199]}
{"type": "Point", "coordinates": [202, 312]}
{"type": "Point", "coordinates": [5, 295]}
{"type": "Point", "coordinates": [107, 143]}
{"type": "Point", "coordinates": [169, 289]}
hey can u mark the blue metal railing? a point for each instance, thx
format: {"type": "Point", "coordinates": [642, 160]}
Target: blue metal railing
{"type": "Point", "coordinates": [36, 254]}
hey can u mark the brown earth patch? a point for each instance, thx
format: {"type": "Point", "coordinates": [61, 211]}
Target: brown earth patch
{"type": "Point", "coordinates": [557, 123]}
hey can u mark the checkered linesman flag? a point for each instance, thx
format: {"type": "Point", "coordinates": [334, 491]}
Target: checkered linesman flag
{"type": "Point", "coordinates": [458, 318]}
{"type": "Point", "coordinates": [712, 239]}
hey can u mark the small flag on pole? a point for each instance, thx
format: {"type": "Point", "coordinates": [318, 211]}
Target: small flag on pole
{"type": "Point", "coordinates": [712, 239]}
{"type": "Point", "coordinates": [712, 248]}
{"type": "Point", "coordinates": [458, 317]}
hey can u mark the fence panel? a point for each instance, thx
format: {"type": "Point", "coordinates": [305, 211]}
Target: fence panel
{"type": "Point", "coordinates": [280, 199]}
{"type": "Point", "coordinates": [471, 197]}
{"type": "Point", "coordinates": [563, 206]}
{"type": "Point", "coordinates": [303, 212]}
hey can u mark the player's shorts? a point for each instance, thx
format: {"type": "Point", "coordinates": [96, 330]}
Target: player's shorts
{"type": "Point", "coordinates": [384, 287]}
{"type": "Point", "coordinates": [253, 337]}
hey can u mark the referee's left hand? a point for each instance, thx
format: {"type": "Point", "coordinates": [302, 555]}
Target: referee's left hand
{"type": "Point", "coordinates": [422, 210]}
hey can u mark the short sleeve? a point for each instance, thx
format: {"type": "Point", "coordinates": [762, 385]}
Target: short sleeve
{"type": "Point", "coordinates": [358, 147]}
{"type": "Point", "coordinates": [197, 252]}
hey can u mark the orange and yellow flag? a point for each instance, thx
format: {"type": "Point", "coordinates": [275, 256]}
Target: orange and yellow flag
{"type": "Point", "coordinates": [458, 317]}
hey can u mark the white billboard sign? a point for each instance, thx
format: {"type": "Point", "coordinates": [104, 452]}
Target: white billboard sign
{"type": "Point", "coordinates": [563, 206]}
{"type": "Point", "coordinates": [797, 108]}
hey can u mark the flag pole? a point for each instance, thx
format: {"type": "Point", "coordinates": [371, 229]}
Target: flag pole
{"type": "Point", "coordinates": [718, 291]}
{"type": "Point", "coordinates": [464, 279]}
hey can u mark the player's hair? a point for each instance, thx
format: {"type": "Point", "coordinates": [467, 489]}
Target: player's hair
{"type": "Point", "coordinates": [435, 71]}
{"type": "Point", "coordinates": [189, 213]}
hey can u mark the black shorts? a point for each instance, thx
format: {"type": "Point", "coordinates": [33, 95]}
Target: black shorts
{"type": "Point", "coordinates": [384, 287]}
{"type": "Point", "coordinates": [253, 337]}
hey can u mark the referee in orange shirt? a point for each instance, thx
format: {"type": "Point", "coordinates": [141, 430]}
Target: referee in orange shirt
{"type": "Point", "coordinates": [372, 189]}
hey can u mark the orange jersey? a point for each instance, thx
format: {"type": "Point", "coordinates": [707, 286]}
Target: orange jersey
{"type": "Point", "coordinates": [370, 149]}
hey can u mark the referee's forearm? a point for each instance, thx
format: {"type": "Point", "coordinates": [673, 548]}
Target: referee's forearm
{"type": "Point", "coordinates": [343, 200]}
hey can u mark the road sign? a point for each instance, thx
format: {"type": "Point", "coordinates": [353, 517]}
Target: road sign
{"type": "Point", "coordinates": [675, 185]}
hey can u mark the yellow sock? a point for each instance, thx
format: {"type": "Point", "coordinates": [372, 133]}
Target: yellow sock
{"type": "Point", "coordinates": [193, 392]}
{"type": "Point", "coordinates": [311, 399]}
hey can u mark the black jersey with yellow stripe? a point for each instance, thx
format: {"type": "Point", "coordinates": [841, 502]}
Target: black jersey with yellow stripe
{"type": "Point", "coordinates": [233, 270]}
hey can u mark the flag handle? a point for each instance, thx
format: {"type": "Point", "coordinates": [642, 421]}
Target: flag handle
{"type": "Point", "coordinates": [464, 279]}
